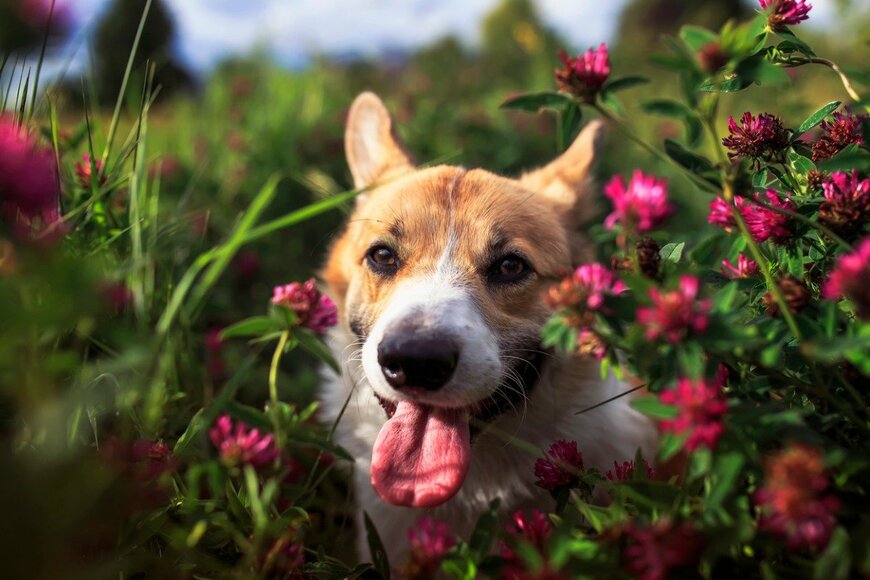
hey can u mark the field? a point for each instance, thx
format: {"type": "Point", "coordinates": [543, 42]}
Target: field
{"type": "Point", "coordinates": [143, 232]}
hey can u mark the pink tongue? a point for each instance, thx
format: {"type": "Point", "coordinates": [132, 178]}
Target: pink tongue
{"type": "Point", "coordinates": [421, 456]}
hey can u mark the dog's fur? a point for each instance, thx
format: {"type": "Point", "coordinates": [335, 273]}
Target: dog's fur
{"type": "Point", "coordinates": [447, 225]}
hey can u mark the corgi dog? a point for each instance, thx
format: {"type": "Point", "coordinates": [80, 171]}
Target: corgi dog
{"type": "Point", "coordinates": [439, 278]}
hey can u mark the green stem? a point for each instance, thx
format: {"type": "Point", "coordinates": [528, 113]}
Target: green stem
{"type": "Point", "coordinates": [649, 148]}
{"type": "Point", "coordinates": [273, 369]}
{"type": "Point", "coordinates": [847, 84]}
{"type": "Point", "coordinates": [764, 266]}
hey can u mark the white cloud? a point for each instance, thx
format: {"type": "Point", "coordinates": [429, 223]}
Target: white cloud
{"type": "Point", "coordinates": [293, 30]}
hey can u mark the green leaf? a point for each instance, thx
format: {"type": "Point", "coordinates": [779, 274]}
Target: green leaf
{"type": "Point", "coordinates": [569, 125]}
{"type": "Point", "coordinates": [697, 37]}
{"type": "Point", "coordinates": [193, 429]}
{"type": "Point", "coordinates": [725, 473]}
{"type": "Point", "coordinates": [254, 326]}
{"type": "Point", "coordinates": [691, 161]}
{"type": "Point", "coordinates": [835, 562]}
{"type": "Point", "coordinates": [817, 117]}
{"type": "Point", "coordinates": [652, 407]}
{"type": "Point", "coordinates": [376, 547]}
{"type": "Point", "coordinates": [672, 252]}
{"type": "Point", "coordinates": [535, 102]}
{"type": "Point", "coordinates": [849, 158]}
{"type": "Point", "coordinates": [485, 531]}
{"type": "Point", "coordinates": [623, 83]}
{"type": "Point", "coordinates": [666, 108]}
{"type": "Point", "coordinates": [670, 445]}
{"type": "Point", "coordinates": [313, 344]}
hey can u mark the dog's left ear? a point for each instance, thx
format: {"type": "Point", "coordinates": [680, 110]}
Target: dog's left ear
{"type": "Point", "coordinates": [567, 182]}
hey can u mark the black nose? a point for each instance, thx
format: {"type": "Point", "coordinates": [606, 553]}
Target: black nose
{"type": "Point", "coordinates": [415, 360]}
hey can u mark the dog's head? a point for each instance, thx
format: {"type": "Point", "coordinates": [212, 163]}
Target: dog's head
{"type": "Point", "coordinates": [440, 274]}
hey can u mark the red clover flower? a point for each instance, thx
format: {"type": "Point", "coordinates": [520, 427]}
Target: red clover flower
{"type": "Point", "coordinates": [561, 467]}
{"type": "Point", "coordinates": [758, 137]}
{"type": "Point", "coordinates": [786, 12]}
{"type": "Point", "coordinates": [584, 76]}
{"type": "Point", "coordinates": [701, 408]}
{"type": "Point", "coordinates": [676, 312]}
{"type": "Point", "coordinates": [850, 278]}
{"type": "Point", "coordinates": [313, 310]}
{"type": "Point", "coordinates": [241, 445]}
{"type": "Point", "coordinates": [640, 206]}
{"type": "Point", "coordinates": [838, 134]}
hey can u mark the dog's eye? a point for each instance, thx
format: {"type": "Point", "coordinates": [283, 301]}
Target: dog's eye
{"type": "Point", "coordinates": [508, 269]}
{"type": "Point", "coordinates": [382, 260]}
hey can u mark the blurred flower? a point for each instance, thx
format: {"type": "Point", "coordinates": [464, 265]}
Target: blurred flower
{"type": "Point", "coordinates": [116, 294]}
{"type": "Point", "coordinates": [656, 551]}
{"type": "Point", "coordinates": [285, 556]}
{"type": "Point", "coordinates": [625, 471]}
{"type": "Point", "coordinates": [561, 466]}
{"type": "Point", "coordinates": [745, 268]}
{"type": "Point", "coordinates": [721, 214]}
{"type": "Point", "coordinates": [701, 408]}
{"type": "Point", "coordinates": [758, 137]}
{"type": "Point", "coordinates": [785, 12]}
{"type": "Point", "coordinates": [143, 459]}
{"type": "Point", "coordinates": [585, 288]}
{"type": "Point", "coordinates": [795, 293]}
{"type": "Point", "coordinates": [84, 169]}
{"type": "Point", "coordinates": [584, 76]}
{"type": "Point", "coordinates": [648, 257]}
{"type": "Point", "coordinates": [240, 445]}
{"type": "Point", "coordinates": [589, 343]}
{"type": "Point", "coordinates": [639, 207]}
{"type": "Point", "coordinates": [850, 278]}
{"type": "Point", "coordinates": [429, 541]}
{"type": "Point", "coordinates": [792, 502]}
{"type": "Point", "coordinates": [711, 57]}
{"type": "Point", "coordinates": [846, 209]}
{"type": "Point", "coordinates": [676, 312]}
{"type": "Point", "coordinates": [838, 134]}
{"type": "Point", "coordinates": [247, 266]}
{"type": "Point", "coordinates": [29, 190]}
{"type": "Point", "coordinates": [214, 360]}
{"type": "Point", "coordinates": [313, 310]}
{"type": "Point", "coordinates": [766, 224]}
{"type": "Point", "coordinates": [533, 528]}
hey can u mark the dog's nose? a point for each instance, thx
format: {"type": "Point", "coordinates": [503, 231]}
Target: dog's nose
{"type": "Point", "coordinates": [415, 361]}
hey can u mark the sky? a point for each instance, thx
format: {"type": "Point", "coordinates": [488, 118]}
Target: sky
{"type": "Point", "coordinates": [294, 30]}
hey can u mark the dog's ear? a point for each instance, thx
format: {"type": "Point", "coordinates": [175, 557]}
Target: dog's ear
{"type": "Point", "coordinates": [567, 182]}
{"type": "Point", "coordinates": [372, 149]}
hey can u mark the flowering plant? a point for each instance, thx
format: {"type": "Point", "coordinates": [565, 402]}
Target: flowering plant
{"type": "Point", "coordinates": [151, 371]}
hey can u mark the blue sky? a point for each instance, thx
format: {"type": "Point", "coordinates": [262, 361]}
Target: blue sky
{"type": "Point", "coordinates": [293, 30]}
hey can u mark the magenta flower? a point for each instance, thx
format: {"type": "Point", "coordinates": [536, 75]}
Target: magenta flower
{"type": "Point", "coordinates": [117, 296]}
{"type": "Point", "coordinates": [745, 268]}
{"type": "Point", "coordinates": [838, 134]}
{"type": "Point", "coordinates": [561, 467]}
{"type": "Point", "coordinates": [532, 528]}
{"type": "Point", "coordinates": [786, 12]}
{"type": "Point", "coordinates": [240, 445]}
{"type": "Point", "coordinates": [29, 190]}
{"type": "Point", "coordinates": [639, 207]}
{"type": "Point", "coordinates": [675, 313]}
{"type": "Point", "coordinates": [625, 471]}
{"type": "Point", "coordinates": [657, 551]}
{"type": "Point", "coordinates": [84, 171]}
{"type": "Point", "coordinates": [721, 214]}
{"type": "Point", "coordinates": [792, 502]}
{"type": "Point", "coordinates": [766, 224]}
{"type": "Point", "coordinates": [850, 278]}
{"type": "Point", "coordinates": [313, 310]}
{"type": "Point", "coordinates": [585, 288]}
{"type": "Point", "coordinates": [584, 76]}
{"type": "Point", "coordinates": [756, 137]}
{"type": "Point", "coordinates": [701, 408]}
{"type": "Point", "coordinates": [430, 541]}
{"type": "Point", "coordinates": [846, 208]}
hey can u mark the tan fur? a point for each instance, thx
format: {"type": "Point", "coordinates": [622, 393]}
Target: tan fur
{"type": "Point", "coordinates": [470, 216]}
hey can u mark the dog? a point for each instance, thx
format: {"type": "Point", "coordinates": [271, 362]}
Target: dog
{"type": "Point", "coordinates": [439, 278]}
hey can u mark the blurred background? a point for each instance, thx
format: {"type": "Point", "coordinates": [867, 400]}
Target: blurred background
{"type": "Point", "coordinates": [248, 88]}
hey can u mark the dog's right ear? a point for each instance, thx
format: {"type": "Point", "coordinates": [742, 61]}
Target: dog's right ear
{"type": "Point", "coordinates": [372, 149]}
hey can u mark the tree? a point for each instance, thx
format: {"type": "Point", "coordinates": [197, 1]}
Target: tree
{"type": "Point", "coordinates": [114, 40]}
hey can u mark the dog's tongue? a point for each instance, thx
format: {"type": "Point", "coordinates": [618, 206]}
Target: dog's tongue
{"type": "Point", "coordinates": [421, 455]}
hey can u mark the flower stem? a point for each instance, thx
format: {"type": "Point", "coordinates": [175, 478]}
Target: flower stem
{"type": "Point", "coordinates": [273, 369]}
{"type": "Point", "coordinates": [620, 124]}
{"type": "Point", "coordinates": [764, 266]}
{"type": "Point", "coordinates": [847, 84]}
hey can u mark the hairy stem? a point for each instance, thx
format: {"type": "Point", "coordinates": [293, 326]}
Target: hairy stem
{"type": "Point", "coordinates": [273, 369]}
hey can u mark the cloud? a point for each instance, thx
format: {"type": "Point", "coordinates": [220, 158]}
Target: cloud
{"type": "Point", "coordinates": [294, 30]}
